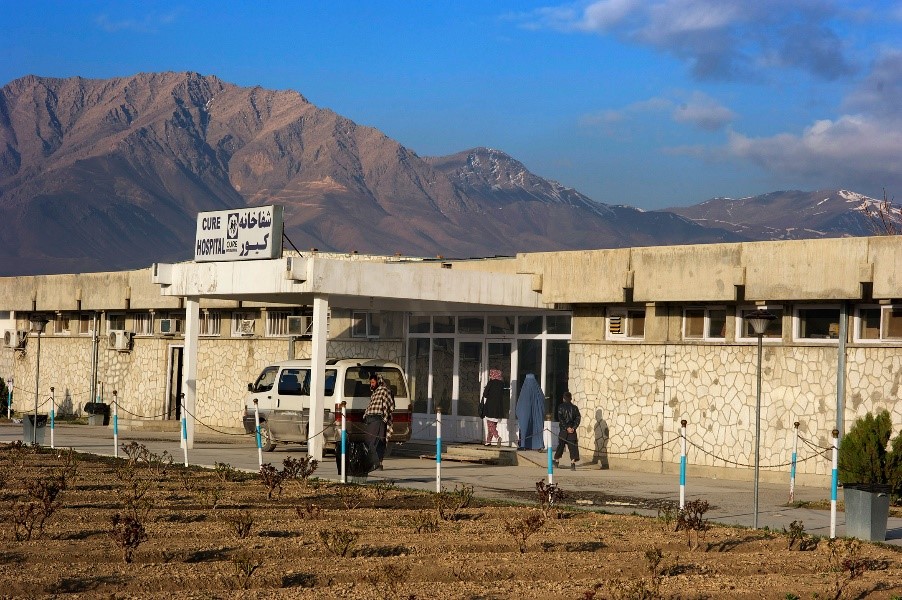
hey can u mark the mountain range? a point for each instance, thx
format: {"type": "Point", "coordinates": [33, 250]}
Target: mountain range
{"type": "Point", "coordinates": [109, 174]}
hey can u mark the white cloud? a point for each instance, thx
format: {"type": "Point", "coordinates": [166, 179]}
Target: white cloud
{"type": "Point", "coordinates": [862, 148]}
{"type": "Point", "coordinates": [720, 39]}
{"type": "Point", "coordinates": [698, 109]}
{"type": "Point", "coordinates": [704, 112]}
{"type": "Point", "coordinates": [149, 23]}
{"type": "Point", "coordinates": [851, 151]}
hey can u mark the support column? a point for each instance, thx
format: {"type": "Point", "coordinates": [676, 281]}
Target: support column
{"type": "Point", "coordinates": [189, 366]}
{"type": "Point", "coordinates": [318, 378]}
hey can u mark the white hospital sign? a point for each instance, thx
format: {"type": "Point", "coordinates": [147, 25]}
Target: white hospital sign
{"type": "Point", "coordinates": [239, 234]}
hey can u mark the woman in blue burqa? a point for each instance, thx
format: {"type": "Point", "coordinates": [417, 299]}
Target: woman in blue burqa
{"type": "Point", "coordinates": [531, 414]}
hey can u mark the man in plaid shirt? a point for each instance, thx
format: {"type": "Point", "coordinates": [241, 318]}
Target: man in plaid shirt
{"type": "Point", "coordinates": [377, 419]}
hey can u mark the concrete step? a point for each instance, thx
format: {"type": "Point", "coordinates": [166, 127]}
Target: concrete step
{"type": "Point", "coordinates": [475, 453]}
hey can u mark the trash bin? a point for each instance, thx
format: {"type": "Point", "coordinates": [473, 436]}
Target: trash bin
{"type": "Point", "coordinates": [867, 510]}
{"type": "Point", "coordinates": [98, 413]}
{"type": "Point", "coordinates": [30, 433]}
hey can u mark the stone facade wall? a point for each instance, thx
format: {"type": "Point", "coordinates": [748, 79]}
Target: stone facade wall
{"type": "Point", "coordinates": [225, 366]}
{"type": "Point", "coordinates": [633, 397]}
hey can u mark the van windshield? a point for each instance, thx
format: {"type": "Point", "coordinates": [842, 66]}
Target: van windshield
{"type": "Point", "coordinates": [266, 379]}
{"type": "Point", "coordinates": [357, 381]}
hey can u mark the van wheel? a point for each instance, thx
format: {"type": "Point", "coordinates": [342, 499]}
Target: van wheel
{"type": "Point", "coordinates": [266, 441]}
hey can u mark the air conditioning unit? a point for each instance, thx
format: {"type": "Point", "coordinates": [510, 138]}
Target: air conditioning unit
{"type": "Point", "coordinates": [13, 338]}
{"type": "Point", "coordinates": [300, 326]}
{"type": "Point", "coordinates": [120, 340]}
{"type": "Point", "coordinates": [245, 327]}
{"type": "Point", "coordinates": [169, 326]}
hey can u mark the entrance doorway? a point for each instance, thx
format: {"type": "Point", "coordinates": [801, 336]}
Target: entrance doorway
{"type": "Point", "coordinates": [174, 384]}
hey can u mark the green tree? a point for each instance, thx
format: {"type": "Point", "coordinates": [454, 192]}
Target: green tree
{"type": "Point", "coordinates": [862, 452]}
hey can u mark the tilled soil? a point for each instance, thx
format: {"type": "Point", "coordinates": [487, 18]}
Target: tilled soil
{"type": "Point", "coordinates": [318, 539]}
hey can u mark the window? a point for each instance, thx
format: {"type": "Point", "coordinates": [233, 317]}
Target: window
{"type": "Point", "coordinates": [277, 323]}
{"type": "Point", "coordinates": [529, 325]}
{"type": "Point", "coordinates": [61, 324]}
{"type": "Point", "coordinates": [626, 324]}
{"type": "Point", "coordinates": [115, 322]}
{"type": "Point", "coordinates": [243, 323]}
{"type": "Point", "coordinates": [365, 324]}
{"type": "Point", "coordinates": [774, 329]}
{"type": "Point", "coordinates": [85, 324]}
{"type": "Point", "coordinates": [817, 323]}
{"type": "Point", "coordinates": [171, 323]}
{"type": "Point", "coordinates": [210, 323]}
{"type": "Point", "coordinates": [705, 323]}
{"type": "Point", "coordinates": [558, 324]}
{"type": "Point", "coordinates": [419, 324]}
{"type": "Point", "coordinates": [142, 323]}
{"type": "Point", "coordinates": [470, 325]}
{"type": "Point", "coordinates": [501, 325]}
{"type": "Point", "coordinates": [875, 323]}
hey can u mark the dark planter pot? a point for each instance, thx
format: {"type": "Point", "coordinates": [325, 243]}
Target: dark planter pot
{"type": "Point", "coordinates": [867, 510]}
{"type": "Point", "coordinates": [98, 409]}
{"type": "Point", "coordinates": [32, 434]}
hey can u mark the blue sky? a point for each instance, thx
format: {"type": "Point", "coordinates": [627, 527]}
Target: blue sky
{"type": "Point", "coordinates": [649, 103]}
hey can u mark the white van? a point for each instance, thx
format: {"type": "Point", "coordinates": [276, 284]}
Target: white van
{"type": "Point", "coordinates": [282, 391]}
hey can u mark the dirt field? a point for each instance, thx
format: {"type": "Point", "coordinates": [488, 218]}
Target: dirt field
{"type": "Point", "coordinates": [218, 535]}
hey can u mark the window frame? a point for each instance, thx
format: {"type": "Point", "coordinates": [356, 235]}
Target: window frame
{"type": "Point", "coordinates": [243, 315]}
{"type": "Point", "coordinates": [277, 323]}
{"type": "Point", "coordinates": [210, 323]}
{"type": "Point", "coordinates": [628, 316]}
{"type": "Point", "coordinates": [706, 323]}
{"type": "Point", "coordinates": [144, 318]}
{"type": "Point", "coordinates": [797, 323]}
{"type": "Point", "coordinates": [116, 318]}
{"type": "Point", "coordinates": [371, 330]}
{"type": "Point", "coordinates": [881, 338]}
{"type": "Point", "coordinates": [740, 323]}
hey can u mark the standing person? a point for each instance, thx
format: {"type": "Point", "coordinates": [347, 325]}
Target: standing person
{"type": "Point", "coordinates": [568, 419]}
{"type": "Point", "coordinates": [378, 420]}
{"type": "Point", "coordinates": [531, 414]}
{"type": "Point", "coordinates": [491, 407]}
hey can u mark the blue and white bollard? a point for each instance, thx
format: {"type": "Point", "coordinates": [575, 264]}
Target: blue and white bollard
{"type": "Point", "coordinates": [792, 471]}
{"type": "Point", "coordinates": [438, 450]}
{"type": "Point", "coordinates": [549, 453]}
{"type": "Point", "coordinates": [184, 429]}
{"type": "Point", "coordinates": [115, 425]}
{"type": "Point", "coordinates": [344, 442]}
{"type": "Point", "coordinates": [683, 464]}
{"type": "Point", "coordinates": [835, 482]}
{"type": "Point", "coordinates": [52, 415]}
{"type": "Point", "coordinates": [257, 430]}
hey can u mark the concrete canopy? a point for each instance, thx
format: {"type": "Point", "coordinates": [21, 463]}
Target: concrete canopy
{"type": "Point", "coordinates": [323, 281]}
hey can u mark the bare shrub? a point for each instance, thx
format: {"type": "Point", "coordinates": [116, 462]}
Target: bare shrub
{"type": "Point", "coordinates": [382, 488]}
{"type": "Point", "coordinates": [239, 523]}
{"type": "Point", "coordinates": [42, 500]}
{"type": "Point", "coordinates": [225, 472]}
{"type": "Point", "coordinates": [449, 505]}
{"type": "Point", "coordinates": [338, 542]}
{"type": "Point", "coordinates": [350, 496]}
{"type": "Point", "coordinates": [847, 563]}
{"type": "Point", "coordinates": [308, 511]}
{"type": "Point", "coordinates": [692, 518]}
{"type": "Point", "coordinates": [549, 496]}
{"type": "Point", "coordinates": [388, 577]}
{"type": "Point", "coordinates": [128, 533]}
{"type": "Point", "coordinates": [424, 522]}
{"type": "Point", "coordinates": [299, 469]}
{"type": "Point", "coordinates": [272, 479]}
{"type": "Point", "coordinates": [244, 565]}
{"type": "Point", "coordinates": [522, 529]}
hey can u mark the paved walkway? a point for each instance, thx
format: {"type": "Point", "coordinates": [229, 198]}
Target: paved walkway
{"type": "Point", "coordinates": [632, 492]}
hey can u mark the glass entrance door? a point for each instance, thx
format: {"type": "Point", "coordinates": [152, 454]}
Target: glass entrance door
{"type": "Point", "coordinates": [498, 356]}
{"type": "Point", "coordinates": [469, 378]}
